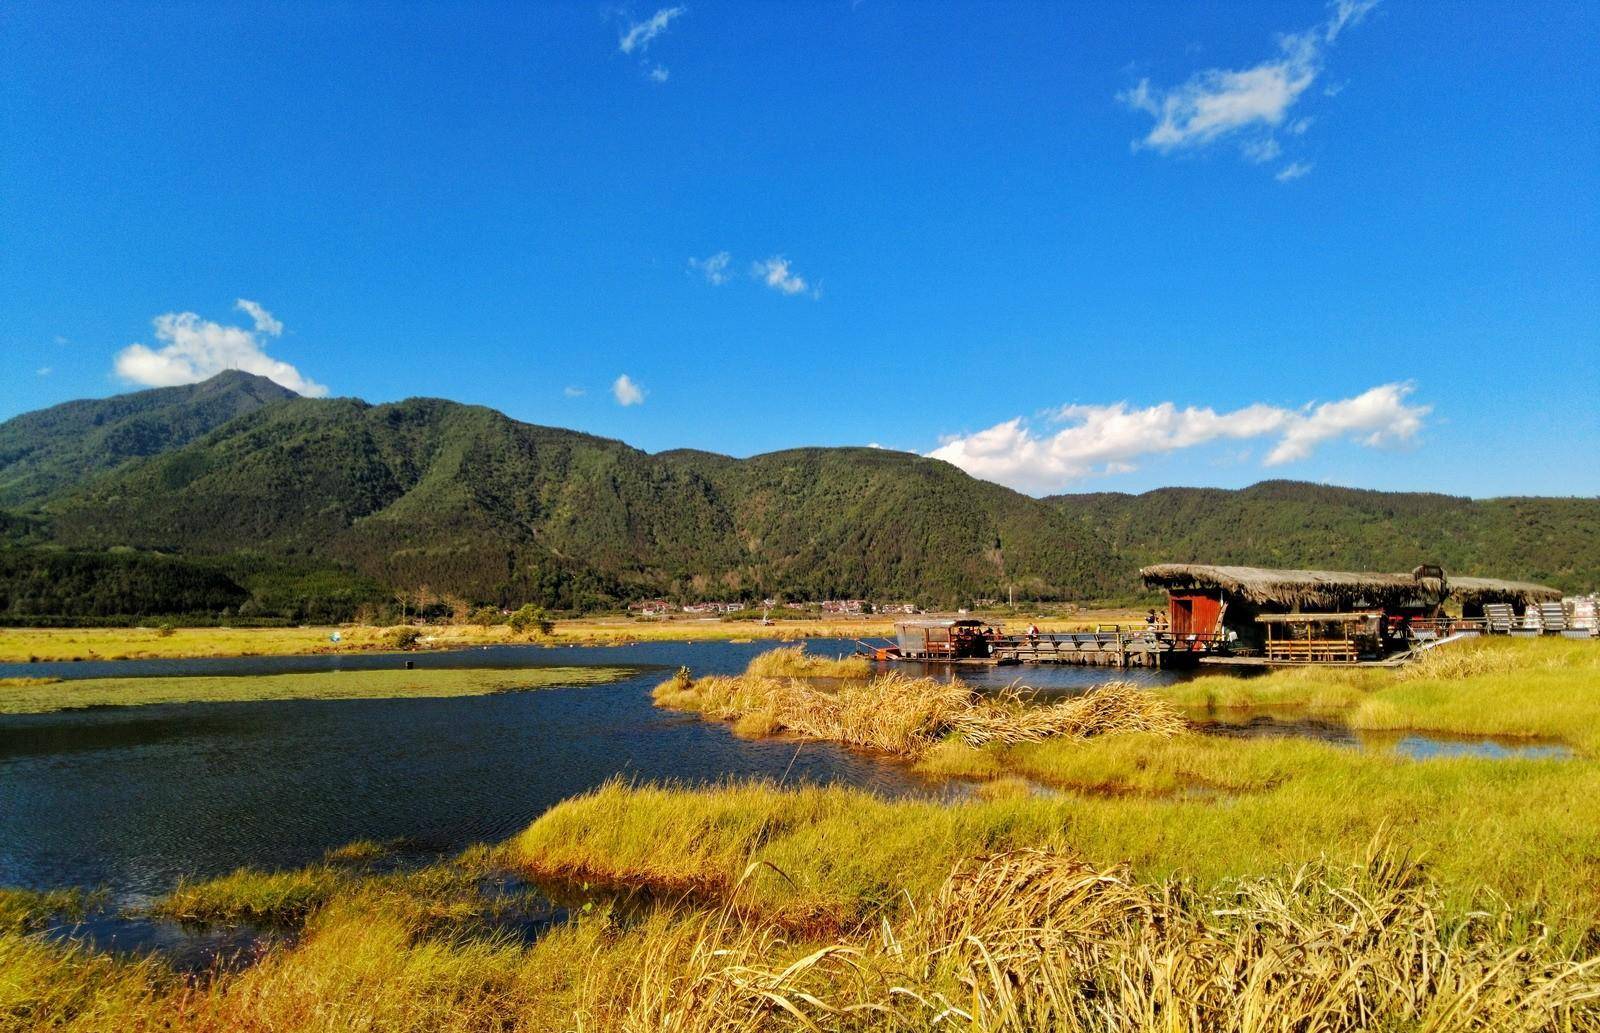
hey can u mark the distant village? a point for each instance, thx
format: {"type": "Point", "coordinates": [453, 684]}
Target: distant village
{"type": "Point", "coordinates": [834, 607]}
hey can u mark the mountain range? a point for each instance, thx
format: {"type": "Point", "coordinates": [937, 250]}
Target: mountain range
{"type": "Point", "coordinates": [235, 495]}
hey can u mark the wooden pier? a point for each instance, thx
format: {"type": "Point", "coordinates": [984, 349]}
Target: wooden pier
{"type": "Point", "coordinates": [974, 643]}
{"type": "Point", "coordinates": [1107, 648]}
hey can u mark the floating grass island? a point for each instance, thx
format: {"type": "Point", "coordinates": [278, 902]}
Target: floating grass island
{"type": "Point", "coordinates": [36, 695]}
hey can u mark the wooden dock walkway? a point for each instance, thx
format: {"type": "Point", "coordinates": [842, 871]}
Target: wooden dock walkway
{"type": "Point", "coordinates": [1099, 649]}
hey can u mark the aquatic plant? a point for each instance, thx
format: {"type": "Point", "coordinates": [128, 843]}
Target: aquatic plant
{"type": "Point", "coordinates": [900, 714]}
{"type": "Point", "coordinates": [392, 683]}
{"type": "Point", "coordinates": [795, 662]}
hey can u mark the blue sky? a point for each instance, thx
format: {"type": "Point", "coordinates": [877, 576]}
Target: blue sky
{"type": "Point", "coordinates": [1069, 247]}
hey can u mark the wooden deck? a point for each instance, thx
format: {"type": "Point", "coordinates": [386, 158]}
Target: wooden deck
{"type": "Point", "coordinates": [1084, 648]}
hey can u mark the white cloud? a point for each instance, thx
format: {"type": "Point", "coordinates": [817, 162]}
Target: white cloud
{"type": "Point", "coordinates": [1263, 150]}
{"type": "Point", "coordinates": [775, 273]}
{"type": "Point", "coordinates": [43, 371]}
{"type": "Point", "coordinates": [193, 349]}
{"type": "Point", "coordinates": [714, 268]}
{"type": "Point", "coordinates": [1245, 106]}
{"type": "Point", "coordinates": [640, 34]}
{"type": "Point", "coordinates": [573, 392]}
{"type": "Point", "coordinates": [1293, 170]}
{"type": "Point", "coordinates": [1374, 418]}
{"type": "Point", "coordinates": [659, 74]}
{"type": "Point", "coordinates": [1108, 439]}
{"type": "Point", "coordinates": [626, 392]}
{"type": "Point", "coordinates": [263, 319]}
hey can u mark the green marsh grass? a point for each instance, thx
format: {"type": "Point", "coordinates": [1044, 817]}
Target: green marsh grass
{"type": "Point", "coordinates": [1013, 940]}
{"type": "Point", "coordinates": [1520, 688]}
{"type": "Point", "coordinates": [382, 684]}
{"type": "Point", "coordinates": [1165, 881]}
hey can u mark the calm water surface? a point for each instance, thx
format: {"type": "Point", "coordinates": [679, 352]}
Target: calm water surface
{"type": "Point", "coordinates": [133, 798]}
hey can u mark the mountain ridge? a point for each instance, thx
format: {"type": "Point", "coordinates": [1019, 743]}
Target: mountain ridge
{"type": "Point", "coordinates": [358, 500]}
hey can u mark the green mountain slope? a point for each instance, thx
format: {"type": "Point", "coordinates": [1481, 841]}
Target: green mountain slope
{"type": "Point", "coordinates": [1292, 524]}
{"type": "Point", "coordinates": [47, 451]}
{"type": "Point", "coordinates": [236, 494]}
{"type": "Point", "coordinates": [468, 501]}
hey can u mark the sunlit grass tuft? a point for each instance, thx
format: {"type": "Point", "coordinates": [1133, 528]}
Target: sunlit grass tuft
{"type": "Point", "coordinates": [794, 662]}
{"type": "Point", "coordinates": [907, 716]}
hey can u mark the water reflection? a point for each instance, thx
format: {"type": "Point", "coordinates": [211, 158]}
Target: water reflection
{"type": "Point", "coordinates": [1416, 745]}
{"type": "Point", "coordinates": [133, 798]}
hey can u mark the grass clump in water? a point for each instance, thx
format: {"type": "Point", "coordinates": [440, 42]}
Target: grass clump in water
{"type": "Point", "coordinates": [395, 683]}
{"type": "Point", "coordinates": [24, 910]}
{"type": "Point", "coordinates": [907, 716]}
{"type": "Point", "coordinates": [261, 898]}
{"type": "Point", "coordinates": [795, 662]}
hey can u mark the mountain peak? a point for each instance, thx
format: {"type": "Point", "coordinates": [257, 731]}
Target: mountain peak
{"type": "Point", "coordinates": [238, 378]}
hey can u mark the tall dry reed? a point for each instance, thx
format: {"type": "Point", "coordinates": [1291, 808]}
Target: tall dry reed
{"type": "Point", "coordinates": [1036, 940]}
{"type": "Point", "coordinates": [899, 714]}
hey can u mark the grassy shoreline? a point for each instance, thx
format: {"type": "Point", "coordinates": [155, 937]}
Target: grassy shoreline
{"type": "Point", "coordinates": [38, 696]}
{"type": "Point", "coordinates": [1164, 880]}
{"type": "Point", "coordinates": [21, 645]}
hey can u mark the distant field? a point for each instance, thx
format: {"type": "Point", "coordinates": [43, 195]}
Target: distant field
{"type": "Point", "coordinates": [38, 695]}
{"type": "Point", "coordinates": [19, 645]}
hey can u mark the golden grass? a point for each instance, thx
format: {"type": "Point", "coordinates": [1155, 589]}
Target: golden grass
{"type": "Point", "coordinates": [1038, 940]}
{"type": "Point", "coordinates": [246, 895]}
{"type": "Point", "coordinates": [793, 662]}
{"type": "Point", "coordinates": [24, 910]}
{"type": "Point", "coordinates": [907, 716]}
{"type": "Point", "coordinates": [1013, 940]}
{"type": "Point", "coordinates": [71, 694]}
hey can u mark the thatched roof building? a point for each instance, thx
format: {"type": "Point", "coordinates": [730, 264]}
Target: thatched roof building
{"type": "Point", "coordinates": [1308, 589]}
{"type": "Point", "coordinates": [1334, 590]}
{"type": "Point", "coordinates": [1480, 590]}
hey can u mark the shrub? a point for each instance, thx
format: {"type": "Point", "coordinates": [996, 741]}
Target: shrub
{"type": "Point", "coordinates": [530, 618]}
{"type": "Point", "coordinates": [404, 637]}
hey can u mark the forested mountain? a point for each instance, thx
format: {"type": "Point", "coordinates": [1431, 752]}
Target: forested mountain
{"type": "Point", "coordinates": [235, 495]}
{"type": "Point", "coordinates": [1555, 541]}
{"type": "Point", "coordinates": [470, 502]}
{"type": "Point", "coordinates": [46, 451]}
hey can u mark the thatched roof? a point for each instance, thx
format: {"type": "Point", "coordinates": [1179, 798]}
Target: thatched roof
{"type": "Point", "coordinates": [1494, 590]}
{"type": "Point", "coordinates": [1309, 588]}
{"type": "Point", "coordinates": [1332, 589]}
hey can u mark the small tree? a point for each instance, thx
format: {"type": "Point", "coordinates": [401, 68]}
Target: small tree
{"type": "Point", "coordinates": [530, 618]}
{"type": "Point", "coordinates": [484, 616]}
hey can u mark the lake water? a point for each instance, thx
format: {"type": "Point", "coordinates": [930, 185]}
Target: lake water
{"type": "Point", "coordinates": [133, 798]}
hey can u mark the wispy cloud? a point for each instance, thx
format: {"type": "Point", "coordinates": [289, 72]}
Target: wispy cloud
{"type": "Point", "coordinates": [43, 371]}
{"type": "Point", "coordinates": [260, 316]}
{"type": "Point", "coordinates": [1293, 170]}
{"type": "Point", "coordinates": [626, 392]}
{"type": "Point", "coordinates": [1110, 439]}
{"type": "Point", "coordinates": [573, 392]}
{"type": "Point", "coordinates": [192, 349]}
{"type": "Point", "coordinates": [658, 74]}
{"type": "Point", "coordinates": [1248, 106]}
{"type": "Point", "coordinates": [776, 273]}
{"type": "Point", "coordinates": [714, 268]}
{"type": "Point", "coordinates": [639, 35]}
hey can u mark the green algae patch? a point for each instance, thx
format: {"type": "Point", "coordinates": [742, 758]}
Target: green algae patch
{"type": "Point", "coordinates": [399, 683]}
